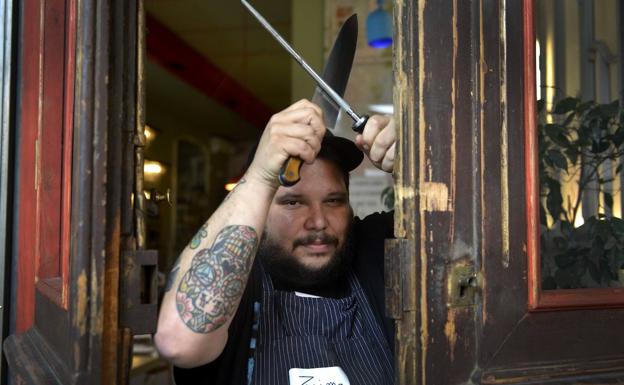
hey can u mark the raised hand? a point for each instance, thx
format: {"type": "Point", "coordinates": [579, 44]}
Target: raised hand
{"type": "Point", "coordinates": [378, 141]}
{"type": "Point", "coordinates": [296, 131]}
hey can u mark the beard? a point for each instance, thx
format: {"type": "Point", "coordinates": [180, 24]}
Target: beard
{"type": "Point", "coordinates": [286, 270]}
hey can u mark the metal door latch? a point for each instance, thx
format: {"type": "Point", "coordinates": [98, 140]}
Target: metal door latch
{"type": "Point", "coordinates": [463, 286]}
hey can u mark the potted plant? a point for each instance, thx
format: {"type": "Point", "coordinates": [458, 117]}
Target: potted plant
{"type": "Point", "coordinates": [580, 143]}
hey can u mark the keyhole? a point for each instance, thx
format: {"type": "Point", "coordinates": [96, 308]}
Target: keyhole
{"type": "Point", "coordinates": [466, 284]}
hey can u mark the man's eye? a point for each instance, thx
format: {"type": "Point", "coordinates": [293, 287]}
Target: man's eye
{"type": "Point", "coordinates": [291, 203]}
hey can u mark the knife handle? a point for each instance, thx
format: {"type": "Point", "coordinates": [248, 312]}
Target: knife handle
{"type": "Point", "coordinates": [359, 125]}
{"type": "Point", "coordinates": [289, 174]}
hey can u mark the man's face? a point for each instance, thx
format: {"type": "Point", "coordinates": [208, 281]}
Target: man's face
{"type": "Point", "coordinates": [308, 223]}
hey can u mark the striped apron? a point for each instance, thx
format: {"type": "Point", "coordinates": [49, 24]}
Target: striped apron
{"type": "Point", "coordinates": [304, 332]}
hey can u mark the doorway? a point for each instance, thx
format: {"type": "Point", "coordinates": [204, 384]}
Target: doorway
{"type": "Point", "coordinates": [213, 78]}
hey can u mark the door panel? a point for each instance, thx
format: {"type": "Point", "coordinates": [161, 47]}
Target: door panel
{"type": "Point", "coordinates": [77, 123]}
{"type": "Point", "coordinates": [463, 202]}
{"type": "Point", "coordinates": [54, 150]}
{"type": "Point", "coordinates": [46, 147]}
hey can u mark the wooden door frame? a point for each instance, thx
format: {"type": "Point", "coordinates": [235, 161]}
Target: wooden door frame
{"type": "Point", "coordinates": [401, 263]}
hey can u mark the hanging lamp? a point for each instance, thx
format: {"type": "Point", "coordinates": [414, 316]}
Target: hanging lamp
{"type": "Point", "coordinates": [379, 27]}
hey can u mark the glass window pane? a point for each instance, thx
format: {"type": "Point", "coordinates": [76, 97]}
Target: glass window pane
{"type": "Point", "coordinates": [581, 143]}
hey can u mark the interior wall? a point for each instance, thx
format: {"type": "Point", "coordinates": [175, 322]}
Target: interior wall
{"type": "Point", "coordinates": [315, 25]}
{"type": "Point", "coordinates": [572, 49]}
{"type": "Point", "coordinates": [308, 34]}
{"type": "Point", "coordinates": [607, 31]}
{"type": "Point", "coordinates": [172, 122]}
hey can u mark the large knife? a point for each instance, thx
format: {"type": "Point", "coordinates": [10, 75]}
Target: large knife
{"type": "Point", "coordinates": [337, 69]}
{"type": "Point", "coordinates": [289, 175]}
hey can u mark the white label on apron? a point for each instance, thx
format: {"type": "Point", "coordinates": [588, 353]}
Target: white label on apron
{"type": "Point", "coordinates": [333, 375]}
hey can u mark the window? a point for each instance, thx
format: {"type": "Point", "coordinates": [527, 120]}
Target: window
{"type": "Point", "coordinates": [578, 161]}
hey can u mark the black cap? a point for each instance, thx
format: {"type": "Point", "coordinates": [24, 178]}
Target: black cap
{"type": "Point", "coordinates": [343, 152]}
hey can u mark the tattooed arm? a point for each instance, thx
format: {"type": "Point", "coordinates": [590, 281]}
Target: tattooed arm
{"type": "Point", "coordinates": [206, 284]}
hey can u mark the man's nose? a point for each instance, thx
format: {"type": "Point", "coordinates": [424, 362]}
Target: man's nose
{"type": "Point", "coordinates": [316, 219]}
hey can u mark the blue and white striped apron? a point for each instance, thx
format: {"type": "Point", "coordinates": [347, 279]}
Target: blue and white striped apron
{"type": "Point", "coordinates": [303, 332]}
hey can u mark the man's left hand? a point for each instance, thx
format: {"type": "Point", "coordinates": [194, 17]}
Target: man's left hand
{"type": "Point", "coordinates": [378, 141]}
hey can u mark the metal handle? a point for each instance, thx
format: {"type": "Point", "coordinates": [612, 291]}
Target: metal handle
{"type": "Point", "coordinates": [358, 126]}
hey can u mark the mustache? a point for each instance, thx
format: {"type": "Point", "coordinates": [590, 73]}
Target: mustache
{"type": "Point", "coordinates": [321, 237]}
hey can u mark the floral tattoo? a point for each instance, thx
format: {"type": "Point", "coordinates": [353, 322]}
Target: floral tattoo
{"type": "Point", "coordinates": [208, 292]}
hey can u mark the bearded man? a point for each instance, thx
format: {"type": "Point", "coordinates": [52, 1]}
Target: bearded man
{"type": "Point", "coordinates": [282, 285]}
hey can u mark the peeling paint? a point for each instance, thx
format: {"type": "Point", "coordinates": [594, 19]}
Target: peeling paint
{"type": "Point", "coordinates": [97, 318]}
{"type": "Point", "coordinates": [424, 313]}
{"type": "Point", "coordinates": [453, 160]}
{"type": "Point", "coordinates": [435, 196]}
{"type": "Point", "coordinates": [81, 304]}
{"type": "Point", "coordinates": [405, 193]}
{"type": "Point", "coordinates": [408, 180]}
{"type": "Point", "coordinates": [482, 164]}
{"type": "Point", "coordinates": [401, 86]}
{"type": "Point", "coordinates": [451, 333]}
{"type": "Point", "coordinates": [484, 298]}
{"type": "Point", "coordinates": [504, 132]}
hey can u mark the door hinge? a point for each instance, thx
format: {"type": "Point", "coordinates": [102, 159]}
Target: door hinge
{"type": "Point", "coordinates": [397, 265]}
{"type": "Point", "coordinates": [139, 291]}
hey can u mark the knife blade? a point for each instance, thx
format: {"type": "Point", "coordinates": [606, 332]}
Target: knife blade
{"type": "Point", "coordinates": [336, 75]}
{"type": "Point", "coordinates": [338, 68]}
{"type": "Point", "coordinates": [359, 121]}
{"type": "Point", "coordinates": [289, 174]}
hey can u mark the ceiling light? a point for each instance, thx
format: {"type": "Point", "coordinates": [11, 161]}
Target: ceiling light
{"type": "Point", "coordinates": [379, 27]}
{"type": "Point", "coordinates": [150, 134]}
{"type": "Point", "coordinates": [151, 167]}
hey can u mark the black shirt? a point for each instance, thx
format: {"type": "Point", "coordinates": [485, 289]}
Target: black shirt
{"type": "Point", "coordinates": [368, 265]}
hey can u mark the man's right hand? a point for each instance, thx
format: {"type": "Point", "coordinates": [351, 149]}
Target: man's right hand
{"type": "Point", "coordinates": [296, 131]}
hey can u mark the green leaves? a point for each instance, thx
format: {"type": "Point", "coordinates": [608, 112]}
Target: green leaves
{"type": "Point", "coordinates": [557, 134]}
{"type": "Point", "coordinates": [581, 143]}
{"type": "Point", "coordinates": [587, 256]}
{"type": "Point", "coordinates": [566, 105]}
{"type": "Point", "coordinates": [554, 199]}
{"type": "Point", "coordinates": [556, 158]}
